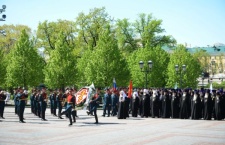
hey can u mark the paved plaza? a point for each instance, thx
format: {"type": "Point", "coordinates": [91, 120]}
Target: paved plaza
{"type": "Point", "coordinates": [109, 131]}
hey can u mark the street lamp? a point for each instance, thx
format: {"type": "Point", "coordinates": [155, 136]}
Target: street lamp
{"type": "Point", "coordinates": [146, 70]}
{"type": "Point", "coordinates": [178, 70]}
{"type": "Point", "coordinates": [1, 11]}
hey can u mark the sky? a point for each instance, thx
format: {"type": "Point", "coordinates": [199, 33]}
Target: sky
{"type": "Point", "coordinates": [198, 23]}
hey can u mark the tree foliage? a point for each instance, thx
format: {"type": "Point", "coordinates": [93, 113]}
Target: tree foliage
{"type": "Point", "coordinates": [24, 68]}
{"type": "Point", "coordinates": [105, 62]}
{"type": "Point", "coordinates": [180, 57]}
{"type": "Point", "coordinates": [60, 70]}
{"type": "Point", "coordinates": [9, 35]}
{"type": "Point", "coordinates": [157, 75]}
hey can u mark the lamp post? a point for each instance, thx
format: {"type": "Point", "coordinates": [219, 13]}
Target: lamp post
{"type": "Point", "coordinates": [180, 71]}
{"type": "Point", "coordinates": [203, 75]}
{"type": "Point", "coordinates": [146, 70]}
{"type": "Point", "coordinates": [1, 11]}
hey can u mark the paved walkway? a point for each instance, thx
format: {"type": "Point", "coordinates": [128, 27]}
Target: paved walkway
{"type": "Point", "coordinates": [109, 131]}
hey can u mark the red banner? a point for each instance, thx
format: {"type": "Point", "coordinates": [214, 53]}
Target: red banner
{"type": "Point", "coordinates": [81, 95]}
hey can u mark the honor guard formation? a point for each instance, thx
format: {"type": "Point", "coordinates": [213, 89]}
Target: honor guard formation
{"type": "Point", "coordinates": [156, 103]}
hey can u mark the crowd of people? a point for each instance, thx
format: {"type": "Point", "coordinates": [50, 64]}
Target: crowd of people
{"type": "Point", "coordinates": [166, 103]}
{"type": "Point", "coordinates": [156, 103]}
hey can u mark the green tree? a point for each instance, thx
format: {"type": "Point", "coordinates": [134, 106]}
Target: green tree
{"type": "Point", "coordinates": [9, 34]}
{"type": "Point", "coordinates": [104, 63]}
{"type": "Point", "coordinates": [60, 70]}
{"type": "Point", "coordinates": [2, 68]}
{"type": "Point", "coordinates": [90, 26]}
{"type": "Point", "coordinates": [158, 74]}
{"type": "Point", "coordinates": [24, 64]}
{"type": "Point", "coordinates": [125, 35]}
{"type": "Point", "coordinates": [48, 32]}
{"type": "Point", "coordinates": [180, 57]}
{"type": "Point", "coordinates": [150, 31]}
{"type": "Point", "coordinates": [204, 58]}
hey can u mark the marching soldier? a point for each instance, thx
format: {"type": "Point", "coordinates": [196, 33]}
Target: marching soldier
{"type": "Point", "coordinates": [43, 103]}
{"type": "Point", "coordinates": [2, 104]}
{"type": "Point", "coordinates": [68, 111]}
{"type": "Point", "coordinates": [94, 103]}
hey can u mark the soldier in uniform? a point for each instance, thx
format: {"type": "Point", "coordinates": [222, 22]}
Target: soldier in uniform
{"type": "Point", "coordinates": [94, 103]}
{"type": "Point", "coordinates": [2, 103]}
{"type": "Point", "coordinates": [115, 102]}
{"type": "Point", "coordinates": [32, 96]}
{"type": "Point", "coordinates": [106, 103]}
{"type": "Point", "coordinates": [53, 103]}
{"type": "Point", "coordinates": [16, 102]}
{"type": "Point", "coordinates": [43, 103]}
{"type": "Point", "coordinates": [70, 102]}
{"type": "Point", "coordinates": [22, 97]}
{"type": "Point", "coordinates": [59, 100]}
{"type": "Point", "coordinates": [37, 110]}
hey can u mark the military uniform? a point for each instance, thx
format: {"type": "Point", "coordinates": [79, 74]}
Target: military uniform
{"type": "Point", "coordinates": [22, 97]}
{"type": "Point", "coordinates": [2, 104]}
{"type": "Point", "coordinates": [106, 103]}
{"type": "Point", "coordinates": [94, 103]}
{"type": "Point", "coordinates": [69, 107]}
{"type": "Point", "coordinates": [43, 104]}
{"type": "Point", "coordinates": [59, 100]}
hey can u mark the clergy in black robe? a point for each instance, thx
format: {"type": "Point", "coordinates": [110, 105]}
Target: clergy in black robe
{"type": "Point", "coordinates": [135, 104]}
{"type": "Point", "coordinates": [154, 104]}
{"type": "Point", "coordinates": [208, 106]}
{"type": "Point", "coordinates": [175, 105]}
{"type": "Point", "coordinates": [184, 106]}
{"type": "Point", "coordinates": [122, 106]}
{"type": "Point", "coordinates": [196, 106]}
{"type": "Point", "coordinates": [145, 104]}
{"type": "Point", "coordinates": [218, 107]}
{"type": "Point", "coordinates": [165, 105]}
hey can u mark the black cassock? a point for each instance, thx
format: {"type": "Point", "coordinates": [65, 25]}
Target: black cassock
{"type": "Point", "coordinates": [165, 106]}
{"type": "Point", "coordinates": [218, 108]}
{"type": "Point", "coordinates": [184, 107]}
{"type": "Point", "coordinates": [145, 106]}
{"type": "Point", "coordinates": [122, 114]}
{"type": "Point", "coordinates": [175, 106]}
{"type": "Point", "coordinates": [208, 107]}
{"type": "Point", "coordinates": [196, 107]}
{"type": "Point", "coordinates": [154, 106]}
{"type": "Point", "coordinates": [135, 106]}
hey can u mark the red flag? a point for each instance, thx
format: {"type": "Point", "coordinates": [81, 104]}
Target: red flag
{"type": "Point", "coordinates": [130, 90]}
